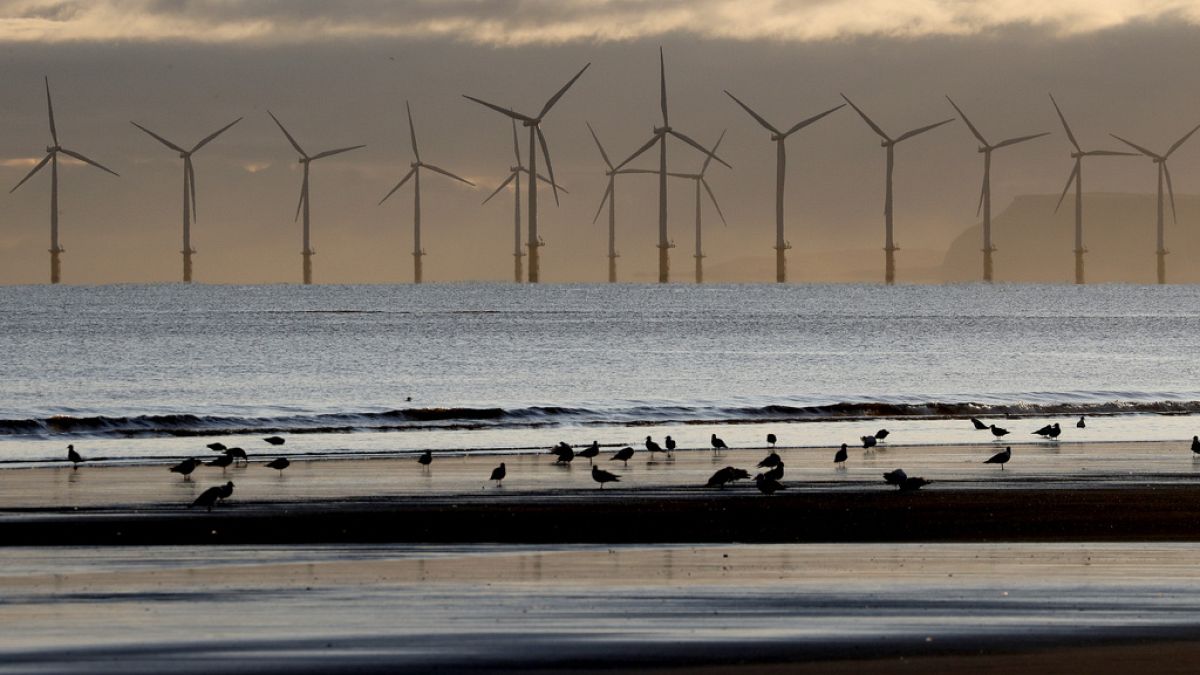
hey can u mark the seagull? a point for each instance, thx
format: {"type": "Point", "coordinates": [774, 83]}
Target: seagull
{"type": "Point", "coordinates": [426, 458]}
{"type": "Point", "coordinates": [601, 476]}
{"type": "Point", "coordinates": [998, 432]}
{"type": "Point", "coordinates": [882, 434]}
{"type": "Point", "coordinates": [913, 484]}
{"type": "Point", "coordinates": [237, 453]}
{"type": "Point", "coordinates": [622, 455]}
{"type": "Point", "coordinates": [978, 425]}
{"type": "Point", "coordinates": [726, 475]}
{"type": "Point", "coordinates": [226, 491]}
{"type": "Point", "coordinates": [221, 461]}
{"type": "Point", "coordinates": [1049, 431]}
{"type": "Point", "coordinates": [771, 460]}
{"type": "Point", "coordinates": [1000, 458]}
{"type": "Point", "coordinates": [771, 440]}
{"type": "Point", "coordinates": [1196, 444]}
{"type": "Point", "coordinates": [73, 457]}
{"type": "Point", "coordinates": [670, 442]}
{"type": "Point", "coordinates": [775, 473]}
{"type": "Point", "coordinates": [652, 447]}
{"type": "Point", "coordinates": [274, 440]}
{"type": "Point", "coordinates": [717, 444]}
{"type": "Point", "coordinates": [896, 477]}
{"type": "Point", "coordinates": [768, 486]}
{"type": "Point", "coordinates": [840, 456]}
{"type": "Point", "coordinates": [869, 442]}
{"type": "Point", "coordinates": [208, 498]}
{"type": "Point", "coordinates": [216, 447]}
{"type": "Point", "coordinates": [498, 474]}
{"type": "Point", "coordinates": [590, 451]}
{"type": "Point", "coordinates": [564, 453]}
{"type": "Point", "coordinates": [279, 464]}
{"type": "Point", "coordinates": [1081, 424]}
{"type": "Point", "coordinates": [186, 467]}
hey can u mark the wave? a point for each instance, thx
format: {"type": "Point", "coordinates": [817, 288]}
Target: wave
{"type": "Point", "coordinates": [466, 418]}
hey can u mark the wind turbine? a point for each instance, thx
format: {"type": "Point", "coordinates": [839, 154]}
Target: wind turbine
{"type": "Point", "coordinates": [1077, 176]}
{"type": "Point", "coordinates": [189, 189]}
{"type": "Point", "coordinates": [610, 196]}
{"type": "Point", "coordinates": [660, 137]}
{"type": "Point", "coordinates": [889, 246]}
{"type": "Point", "coordinates": [536, 138]}
{"type": "Point", "coordinates": [51, 157]}
{"type": "Point", "coordinates": [302, 205]}
{"type": "Point", "coordinates": [780, 137]}
{"type": "Point", "coordinates": [415, 173]}
{"type": "Point", "coordinates": [1163, 170]}
{"type": "Point", "coordinates": [985, 193]}
{"type": "Point", "coordinates": [514, 174]}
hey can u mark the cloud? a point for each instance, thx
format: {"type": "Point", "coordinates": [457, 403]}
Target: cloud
{"type": "Point", "coordinates": [513, 23]}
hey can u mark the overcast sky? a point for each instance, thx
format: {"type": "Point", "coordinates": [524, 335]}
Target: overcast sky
{"type": "Point", "coordinates": [339, 73]}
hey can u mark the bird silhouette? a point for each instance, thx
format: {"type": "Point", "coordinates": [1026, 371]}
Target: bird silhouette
{"type": "Point", "coordinates": [1081, 424]}
{"type": "Point", "coordinates": [771, 440]}
{"type": "Point", "coordinates": [216, 447]}
{"type": "Point", "coordinates": [186, 467]}
{"type": "Point", "coordinates": [221, 461]}
{"type": "Point", "coordinates": [770, 460]}
{"type": "Point", "coordinates": [426, 458]}
{"type": "Point", "coordinates": [1050, 431]}
{"type": "Point", "coordinates": [978, 425]}
{"type": "Point", "coordinates": [840, 456]}
{"type": "Point", "coordinates": [623, 455]}
{"type": "Point", "coordinates": [498, 474]}
{"type": "Point", "coordinates": [882, 434]}
{"type": "Point", "coordinates": [564, 453]}
{"type": "Point", "coordinates": [1196, 444]}
{"type": "Point", "coordinates": [274, 440]}
{"type": "Point", "coordinates": [726, 475]}
{"type": "Point", "coordinates": [1000, 458]}
{"type": "Point", "coordinates": [73, 457]}
{"type": "Point", "coordinates": [601, 476]}
{"type": "Point", "coordinates": [652, 447]}
{"type": "Point", "coordinates": [670, 443]}
{"type": "Point", "coordinates": [590, 452]}
{"type": "Point", "coordinates": [896, 477]}
{"type": "Point", "coordinates": [768, 486]}
{"type": "Point", "coordinates": [238, 454]}
{"type": "Point", "coordinates": [226, 491]}
{"type": "Point", "coordinates": [997, 431]}
{"type": "Point", "coordinates": [869, 442]}
{"type": "Point", "coordinates": [913, 484]}
{"type": "Point", "coordinates": [775, 473]}
{"type": "Point", "coordinates": [562, 448]}
{"type": "Point", "coordinates": [208, 498]}
{"type": "Point", "coordinates": [279, 464]}
{"type": "Point", "coordinates": [717, 444]}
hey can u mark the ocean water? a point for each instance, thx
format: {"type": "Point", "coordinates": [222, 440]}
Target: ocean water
{"type": "Point", "coordinates": [145, 371]}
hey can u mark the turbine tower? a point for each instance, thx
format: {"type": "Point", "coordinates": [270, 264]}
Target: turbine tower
{"type": "Point", "coordinates": [660, 136]}
{"type": "Point", "coordinates": [514, 174]}
{"type": "Point", "coordinates": [889, 143]}
{"type": "Point", "coordinates": [1077, 176]}
{"type": "Point", "coordinates": [302, 205]}
{"type": "Point", "coordinates": [1163, 170]}
{"type": "Point", "coordinates": [189, 189]}
{"type": "Point", "coordinates": [780, 138]}
{"type": "Point", "coordinates": [51, 157]}
{"type": "Point", "coordinates": [610, 196]}
{"type": "Point", "coordinates": [415, 173]}
{"type": "Point", "coordinates": [985, 193]}
{"type": "Point", "coordinates": [536, 138]}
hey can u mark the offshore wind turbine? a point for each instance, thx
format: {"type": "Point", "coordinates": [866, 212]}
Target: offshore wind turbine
{"type": "Point", "coordinates": [985, 193]}
{"type": "Point", "coordinates": [52, 152]}
{"type": "Point", "coordinates": [302, 205]}
{"type": "Point", "coordinates": [536, 138]}
{"type": "Point", "coordinates": [514, 176]}
{"type": "Point", "coordinates": [660, 137]}
{"type": "Point", "coordinates": [189, 189]}
{"type": "Point", "coordinates": [1076, 175]}
{"type": "Point", "coordinates": [1163, 170]}
{"type": "Point", "coordinates": [610, 196]}
{"type": "Point", "coordinates": [415, 174]}
{"type": "Point", "coordinates": [780, 138]}
{"type": "Point", "coordinates": [889, 143]}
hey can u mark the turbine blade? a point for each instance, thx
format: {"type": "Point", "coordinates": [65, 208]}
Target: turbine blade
{"type": "Point", "coordinates": [550, 182]}
{"type": "Point", "coordinates": [303, 194]}
{"type": "Point", "coordinates": [920, 130]}
{"type": "Point", "coordinates": [447, 173]}
{"type": "Point", "coordinates": [1182, 140]}
{"type": "Point", "coordinates": [191, 175]}
{"type": "Point", "coordinates": [693, 176]}
{"type": "Point", "coordinates": [549, 166]}
{"type": "Point", "coordinates": [289, 136]}
{"type": "Point", "coordinates": [81, 158]}
{"type": "Point", "coordinates": [601, 147]}
{"type": "Point", "coordinates": [1109, 153]}
{"type": "Point", "coordinates": [1137, 147]}
{"type": "Point", "coordinates": [683, 137]}
{"type": "Point", "coordinates": [50, 110]}
{"type": "Point", "coordinates": [500, 187]}
{"type": "Point", "coordinates": [504, 111]}
{"type": "Point", "coordinates": [160, 139]}
{"type": "Point", "coordinates": [516, 144]}
{"type": "Point", "coordinates": [412, 133]}
{"type": "Point", "coordinates": [31, 172]}
{"type": "Point", "coordinates": [704, 167]}
{"type": "Point", "coordinates": [767, 125]}
{"type": "Point", "coordinates": [1070, 179]}
{"type": "Point", "coordinates": [1020, 139]}
{"type": "Point", "coordinates": [714, 200]}
{"type": "Point", "coordinates": [399, 185]}
{"type": "Point", "coordinates": [607, 193]}
{"type": "Point", "coordinates": [803, 123]}
{"type": "Point", "coordinates": [209, 138]}
{"type": "Point", "coordinates": [982, 189]}
{"type": "Point", "coordinates": [625, 171]}
{"type": "Point", "coordinates": [559, 94]}
{"type": "Point", "coordinates": [650, 143]}
{"type": "Point", "coordinates": [966, 119]}
{"type": "Point", "coordinates": [868, 120]}
{"type": "Point", "coordinates": [330, 153]}
{"type": "Point", "coordinates": [1066, 127]}
{"type": "Point", "coordinates": [1171, 192]}
{"type": "Point", "coordinates": [662, 79]}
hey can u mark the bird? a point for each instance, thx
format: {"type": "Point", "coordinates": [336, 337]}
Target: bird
{"type": "Point", "coordinates": [882, 434]}
{"type": "Point", "coordinates": [622, 455]}
{"type": "Point", "coordinates": [1000, 458]}
{"type": "Point", "coordinates": [279, 464]}
{"type": "Point", "coordinates": [652, 447]}
{"type": "Point", "coordinates": [1081, 424]}
{"type": "Point", "coordinates": [601, 476]}
{"type": "Point", "coordinates": [671, 445]}
{"type": "Point", "coordinates": [590, 452]}
{"type": "Point", "coordinates": [1196, 444]}
{"type": "Point", "coordinates": [768, 486]}
{"type": "Point", "coordinates": [775, 473]}
{"type": "Point", "coordinates": [274, 440]}
{"type": "Point", "coordinates": [726, 475]}
{"type": "Point", "coordinates": [771, 460]}
{"type": "Point", "coordinates": [216, 447]}
{"type": "Point", "coordinates": [717, 444]}
{"type": "Point", "coordinates": [226, 490]}
{"type": "Point", "coordinates": [221, 461]}
{"type": "Point", "coordinates": [208, 498]}
{"type": "Point", "coordinates": [237, 454]}
{"type": "Point", "coordinates": [498, 474]}
{"type": "Point", "coordinates": [771, 440]}
{"type": "Point", "coordinates": [997, 431]}
{"type": "Point", "coordinates": [1049, 431]}
{"type": "Point", "coordinates": [426, 458]}
{"type": "Point", "coordinates": [562, 448]}
{"type": "Point", "coordinates": [913, 484]}
{"type": "Point", "coordinates": [869, 442]}
{"type": "Point", "coordinates": [186, 467]}
{"type": "Point", "coordinates": [896, 477]}
{"type": "Point", "coordinates": [840, 456]}
{"type": "Point", "coordinates": [73, 457]}
{"type": "Point", "coordinates": [978, 425]}
{"type": "Point", "coordinates": [564, 453]}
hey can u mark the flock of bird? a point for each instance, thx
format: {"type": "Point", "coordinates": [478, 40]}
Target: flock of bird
{"type": "Point", "coordinates": [768, 481]}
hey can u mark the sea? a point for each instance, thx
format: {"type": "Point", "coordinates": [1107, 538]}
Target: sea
{"type": "Point", "coordinates": [151, 372]}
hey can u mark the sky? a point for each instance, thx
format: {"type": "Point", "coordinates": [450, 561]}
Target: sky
{"type": "Point", "coordinates": [339, 74]}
